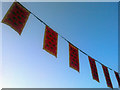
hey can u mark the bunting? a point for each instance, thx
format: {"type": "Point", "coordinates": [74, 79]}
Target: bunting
{"type": "Point", "coordinates": [50, 41]}
{"type": "Point", "coordinates": [93, 69]}
{"type": "Point", "coordinates": [117, 77]}
{"type": "Point", "coordinates": [107, 76]}
{"type": "Point", "coordinates": [16, 17]}
{"type": "Point", "coordinates": [73, 57]}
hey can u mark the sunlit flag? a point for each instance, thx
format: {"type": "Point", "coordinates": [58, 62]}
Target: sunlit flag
{"type": "Point", "coordinates": [117, 77]}
{"type": "Point", "coordinates": [50, 41]}
{"type": "Point", "coordinates": [93, 69]}
{"type": "Point", "coordinates": [16, 17]}
{"type": "Point", "coordinates": [107, 76]}
{"type": "Point", "coordinates": [73, 57]}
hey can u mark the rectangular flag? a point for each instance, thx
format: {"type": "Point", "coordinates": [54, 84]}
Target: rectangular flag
{"type": "Point", "coordinates": [16, 17]}
{"type": "Point", "coordinates": [93, 69]}
{"type": "Point", "coordinates": [50, 41]}
{"type": "Point", "coordinates": [107, 76]}
{"type": "Point", "coordinates": [73, 57]}
{"type": "Point", "coordinates": [117, 77]}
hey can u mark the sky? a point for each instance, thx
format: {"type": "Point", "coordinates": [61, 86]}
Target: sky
{"type": "Point", "coordinates": [90, 26]}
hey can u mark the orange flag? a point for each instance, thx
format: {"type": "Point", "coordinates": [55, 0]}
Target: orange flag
{"type": "Point", "coordinates": [107, 76]}
{"type": "Point", "coordinates": [117, 77]}
{"type": "Point", "coordinates": [16, 17]}
{"type": "Point", "coordinates": [50, 41]}
{"type": "Point", "coordinates": [73, 57]}
{"type": "Point", "coordinates": [93, 69]}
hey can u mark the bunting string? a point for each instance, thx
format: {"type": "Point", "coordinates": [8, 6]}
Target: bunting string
{"type": "Point", "coordinates": [66, 39]}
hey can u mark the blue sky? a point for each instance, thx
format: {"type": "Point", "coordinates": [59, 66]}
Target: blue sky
{"type": "Point", "coordinates": [91, 26]}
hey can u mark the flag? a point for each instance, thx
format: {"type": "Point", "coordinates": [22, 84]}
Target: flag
{"type": "Point", "coordinates": [117, 77]}
{"type": "Point", "coordinates": [50, 41]}
{"type": "Point", "coordinates": [16, 17]}
{"type": "Point", "coordinates": [93, 69]}
{"type": "Point", "coordinates": [73, 57]}
{"type": "Point", "coordinates": [107, 76]}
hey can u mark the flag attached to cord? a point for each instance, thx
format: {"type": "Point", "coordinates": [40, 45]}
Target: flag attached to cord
{"type": "Point", "coordinates": [16, 17]}
{"type": "Point", "coordinates": [93, 69]}
{"type": "Point", "coordinates": [73, 57]}
{"type": "Point", "coordinates": [107, 76]}
{"type": "Point", "coordinates": [50, 41]}
{"type": "Point", "coordinates": [117, 77]}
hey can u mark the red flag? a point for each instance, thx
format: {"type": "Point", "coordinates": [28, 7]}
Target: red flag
{"type": "Point", "coordinates": [16, 17]}
{"type": "Point", "coordinates": [73, 57]}
{"type": "Point", "coordinates": [93, 69]}
{"type": "Point", "coordinates": [107, 76]}
{"type": "Point", "coordinates": [50, 41]}
{"type": "Point", "coordinates": [117, 77]}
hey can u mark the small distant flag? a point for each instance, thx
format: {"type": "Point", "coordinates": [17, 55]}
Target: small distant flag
{"type": "Point", "coordinates": [73, 57]}
{"type": "Point", "coordinates": [93, 69]}
{"type": "Point", "coordinates": [50, 41]}
{"type": "Point", "coordinates": [117, 77]}
{"type": "Point", "coordinates": [16, 17]}
{"type": "Point", "coordinates": [107, 76]}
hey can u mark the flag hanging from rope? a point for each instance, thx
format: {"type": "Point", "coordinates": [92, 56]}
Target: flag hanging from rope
{"type": "Point", "coordinates": [93, 69]}
{"type": "Point", "coordinates": [50, 41]}
{"type": "Point", "coordinates": [117, 77]}
{"type": "Point", "coordinates": [16, 17]}
{"type": "Point", "coordinates": [107, 76]}
{"type": "Point", "coordinates": [73, 57]}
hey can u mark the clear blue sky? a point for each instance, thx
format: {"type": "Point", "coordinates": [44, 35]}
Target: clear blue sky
{"type": "Point", "coordinates": [92, 27]}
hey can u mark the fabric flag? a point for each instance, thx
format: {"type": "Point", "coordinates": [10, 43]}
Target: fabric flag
{"type": "Point", "coordinates": [73, 57]}
{"type": "Point", "coordinates": [16, 17]}
{"type": "Point", "coordinates": [107, 76]}
{"type": "Point", "coordinates": [93, 69]}
{"type": "Point", "coordinates": [50, 41]}
{"type": "Point", "coordinates": [117, 77]}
